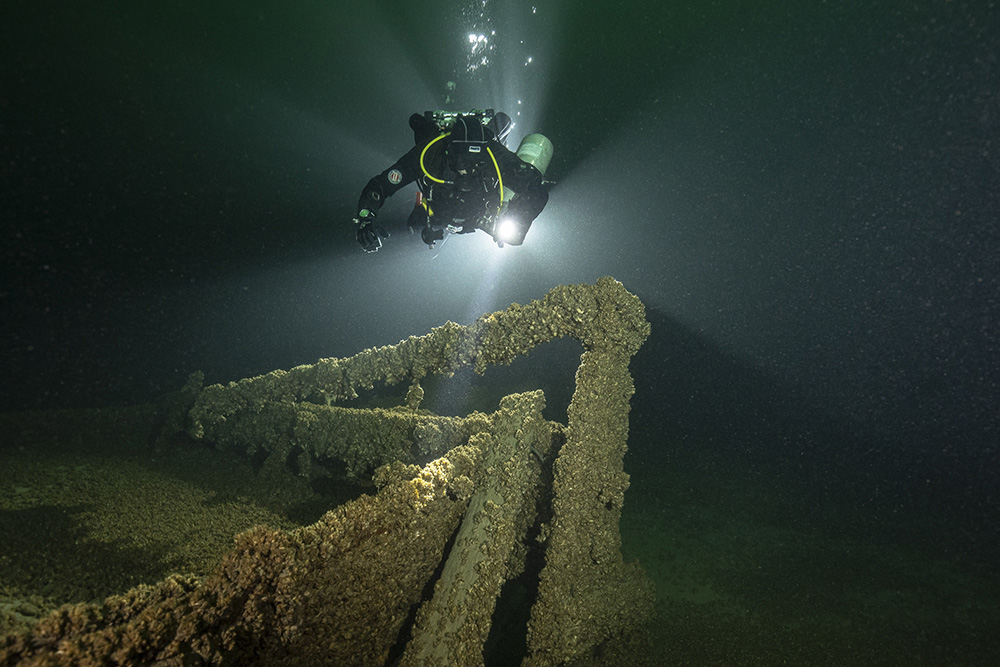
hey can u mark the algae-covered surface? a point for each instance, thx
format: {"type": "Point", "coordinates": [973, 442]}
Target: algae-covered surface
{"type": "Point", "coordinates": [78, 527]}
{"type": "Point", "coordinates": [738, 580]}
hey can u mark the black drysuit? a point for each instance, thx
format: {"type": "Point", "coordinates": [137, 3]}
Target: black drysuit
{"type": "Point", "coordinates": [462, 203]}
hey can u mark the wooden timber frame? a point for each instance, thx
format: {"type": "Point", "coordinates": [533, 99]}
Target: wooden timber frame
{"type": "Point", "coordinates": [353, 587]}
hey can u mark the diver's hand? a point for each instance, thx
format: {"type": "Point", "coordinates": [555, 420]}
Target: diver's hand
{"type": "Point", "coordinates": [369, 233]}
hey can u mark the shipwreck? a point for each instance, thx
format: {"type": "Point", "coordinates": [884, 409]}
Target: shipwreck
{"type": "Point", "coordinates": [413, 573]}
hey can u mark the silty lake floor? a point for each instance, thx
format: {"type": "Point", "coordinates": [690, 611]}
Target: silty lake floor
{"type": "Point", "coordinates": [81, 527]}
{"type": "Point", "coordinates": [743, 579]}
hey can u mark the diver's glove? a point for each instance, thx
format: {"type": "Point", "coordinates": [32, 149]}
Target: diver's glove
{"type": "Point", "coordinates": [430, 236]}
{"type": "Point", "coordinates": [369, 233]}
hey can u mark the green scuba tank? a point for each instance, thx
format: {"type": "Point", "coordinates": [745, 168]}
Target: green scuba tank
{"type": "Point", "coordinates": [536, 150]}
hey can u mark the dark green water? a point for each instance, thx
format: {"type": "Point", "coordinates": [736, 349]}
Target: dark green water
{"type": "Point", "coordinates": [804, 194]}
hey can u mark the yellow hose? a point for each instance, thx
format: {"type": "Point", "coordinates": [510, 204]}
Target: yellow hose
{"type": "Point", "coordinates": [423, 152]}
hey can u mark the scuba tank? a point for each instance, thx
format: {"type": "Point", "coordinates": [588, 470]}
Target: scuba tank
{"type": "Point", "coordinates": [536, 150]}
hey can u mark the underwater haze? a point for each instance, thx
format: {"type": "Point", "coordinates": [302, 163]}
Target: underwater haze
{"type": "Point", "coordinates": [805, 195]}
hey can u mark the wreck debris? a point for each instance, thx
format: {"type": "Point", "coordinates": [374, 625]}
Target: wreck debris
{"type": "Point", "coordinates": [453, 625]}
{"type": "Point", "coordinates": [342, 590]}
{"type": "Point", "coordinates": [323, 594]}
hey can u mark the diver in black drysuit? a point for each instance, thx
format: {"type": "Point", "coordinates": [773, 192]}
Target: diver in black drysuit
{"type": "Point", "coordinates": [461, 170]}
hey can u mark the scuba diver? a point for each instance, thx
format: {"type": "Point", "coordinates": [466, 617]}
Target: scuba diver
{"type": "Point", "coordinates": [467, 179]}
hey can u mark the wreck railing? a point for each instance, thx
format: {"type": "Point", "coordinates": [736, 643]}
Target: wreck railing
{"type": "Point", "coordinates": [341, 590]}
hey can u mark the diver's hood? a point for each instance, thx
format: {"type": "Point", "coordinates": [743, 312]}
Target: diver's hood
{"type": "Point", "coordinates": [467, 145]}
